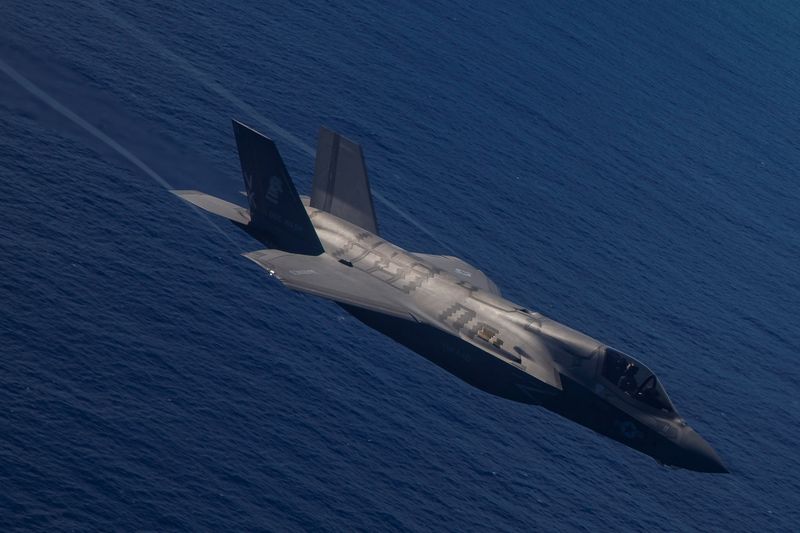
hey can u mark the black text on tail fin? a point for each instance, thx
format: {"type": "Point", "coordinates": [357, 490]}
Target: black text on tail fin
{"type": "Point", "coordinates": [340, 185]}
{"type": "Point", "coordinates": [276, 212]}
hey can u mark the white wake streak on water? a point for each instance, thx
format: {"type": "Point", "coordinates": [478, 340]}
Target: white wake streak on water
{"type": "Point", "coordinates": [85, 125]}
{"type": "Point", "coordinates": [217, 88]}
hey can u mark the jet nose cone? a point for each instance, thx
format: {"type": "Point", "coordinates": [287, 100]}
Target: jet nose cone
{"type": "Point", "coordinates": [699, 455]}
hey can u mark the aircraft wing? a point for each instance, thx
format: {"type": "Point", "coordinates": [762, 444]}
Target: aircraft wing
{"type": "Point", "coordinates": [322, 275]}
{"type": "Point", "coordinates": [462, 270]}
{"type": "Point", "coordinates": [541, 367]}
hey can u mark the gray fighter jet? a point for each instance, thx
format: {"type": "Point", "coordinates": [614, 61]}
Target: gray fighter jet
{"type": "Point", "coordinates": [441, 307]}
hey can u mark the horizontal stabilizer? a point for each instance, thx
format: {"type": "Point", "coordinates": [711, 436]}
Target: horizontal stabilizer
{"type": "Point", "coordinates": [215, 205]}
{"type": "Point", "coordinates": [341, 185]}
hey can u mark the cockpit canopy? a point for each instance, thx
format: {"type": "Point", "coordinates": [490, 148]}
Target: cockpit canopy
{"type": "Point", "coordinates": [636, 380]}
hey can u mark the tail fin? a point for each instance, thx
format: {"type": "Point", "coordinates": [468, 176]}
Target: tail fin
{"type": "Point", "coordinates": [276, 212]}
{"type": "Point", "coordinates": [340, 185]}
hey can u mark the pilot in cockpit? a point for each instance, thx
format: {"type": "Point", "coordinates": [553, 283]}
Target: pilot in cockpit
{"type": "Point", "coordinates": [628, 380]}
{"type": "Point", "coordinates": [615, 368]}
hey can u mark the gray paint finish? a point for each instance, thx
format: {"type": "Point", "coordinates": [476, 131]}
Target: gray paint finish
{"type": "Point", "coordinates": [341, 185]}
{"type": "Point", "coordinates": [444, 308]}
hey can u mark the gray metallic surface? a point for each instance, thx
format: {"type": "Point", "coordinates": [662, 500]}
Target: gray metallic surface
{"type": "Point", "coordinates": [341, 185]}
{"type": "Point", "coordinates": [453, 314]}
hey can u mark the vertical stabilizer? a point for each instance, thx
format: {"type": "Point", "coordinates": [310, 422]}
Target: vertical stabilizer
{"type": "Point", "coordinates": [276, 212]}
{"type": "Point", "coordinates": [341, 185]}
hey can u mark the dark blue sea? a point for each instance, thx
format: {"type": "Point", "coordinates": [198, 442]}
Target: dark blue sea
{"type": "Point", "coordinates": [630, 169]}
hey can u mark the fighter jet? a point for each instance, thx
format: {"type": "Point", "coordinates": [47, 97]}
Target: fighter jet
{"type": "Point", "coordinates": [441, 307]}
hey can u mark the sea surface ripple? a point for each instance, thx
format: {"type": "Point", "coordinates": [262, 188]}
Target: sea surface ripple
{"type": "Point", "coordinates": [628, 168]}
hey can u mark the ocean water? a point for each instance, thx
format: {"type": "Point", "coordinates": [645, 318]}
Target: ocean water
{"type": "Point", "coordinates": [630, 170]}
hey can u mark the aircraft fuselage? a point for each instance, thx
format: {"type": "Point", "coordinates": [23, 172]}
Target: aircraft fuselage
{"type": "Point", "coordinates": [462, 311]}
{"type": "Point", "coordinates": [440, 306]}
